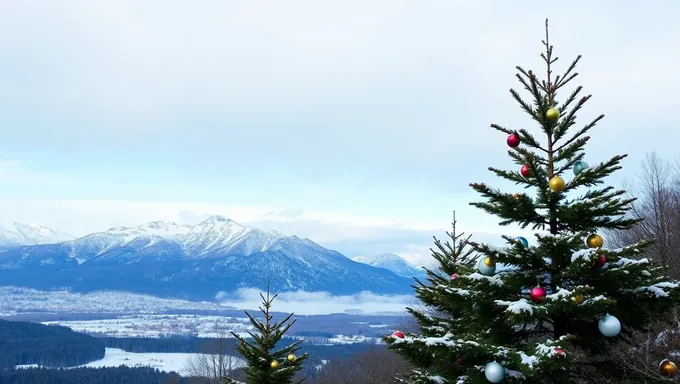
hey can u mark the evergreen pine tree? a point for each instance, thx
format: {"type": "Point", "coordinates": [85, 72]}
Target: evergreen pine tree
{"type": "Point", "coordinates": [264, 365]}
{"type": "Point", "coordinates": [552, 310]}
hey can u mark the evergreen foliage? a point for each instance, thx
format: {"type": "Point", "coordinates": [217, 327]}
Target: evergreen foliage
{"type": "Point", "coordinates": [23, 343]}
{"type": "Point", "coordinates": [478, 315]}
{"type": "Point", "coordinates": [109, 375]}
{"type": "Point", "coordinates": [264, 364]}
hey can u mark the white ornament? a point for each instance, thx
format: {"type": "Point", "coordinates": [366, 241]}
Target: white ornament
{"type": "Point", "coordinates": [485, 269]}
{"type": "Point", "coordinates": [494, 372]}
{"type": "Point", "coordinates": [609, 326]}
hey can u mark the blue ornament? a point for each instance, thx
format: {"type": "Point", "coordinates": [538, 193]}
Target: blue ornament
{"type": "Point", "coordinates": [609, 326]}
{"type": "Point", "coordinates": [486, 270]}
{"type": "Point", "coordinates": [494, 372]}
{"type": "Point", "coordinates": [524, 241]}
{"type": "Point", "coordinates": [579, 167]}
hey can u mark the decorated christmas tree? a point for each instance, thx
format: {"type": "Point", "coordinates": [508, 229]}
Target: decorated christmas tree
{"type": "Point", "coordinates": [555, 307]}
{"type": "Point", "coordinates": [264, 364]}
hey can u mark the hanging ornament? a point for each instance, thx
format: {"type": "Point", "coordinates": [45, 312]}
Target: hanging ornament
{"type": "Point", "coordinates": [577, 298]}
{"type": "Point", "coordinates": [454, 276]}
{"type": "Point", "coordinates": [524, 241]}
{"type": "Point", "coordinates": [595, 241]}
{"type": "Point", "coordinates": [484, 269]}
{"type": "Point", "coordinates": [668, 368]}
{"type": "Point", "coordinates": [459, 361]}
{"type": "Point", "coordinates": [537, 294]}
{"type": "Point", "coordinates": [398, 335]}
{"type": "Point", "coordinates": [600, 261]}
{"type": "Point", "coordinates": [557, 184]}
{"type": "Point", "coordinates": [559, 352]}
{"type": "Point", "coordinates": [489, 262]}
{"type": "Point", "coordinates": [579, 167]}
{"type": "Point", "coordinates": [609, 326]}
{"type": "Point", "coordinates": [274, 364]}
{"type": "Point", "coordinates": [291, 358]}
{"type": "Point", "coordinates": [494, 372]}
{"type": "Point", "coordinates": [513, 140]}
{"type": "Point", "coordinates": [525, 170]}
{"type": "Point", "coordinates": [517, 195]}
{"type": "Point", "coordinates": [552, 114]}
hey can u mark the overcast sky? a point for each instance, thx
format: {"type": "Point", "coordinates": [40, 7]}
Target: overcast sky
{"type": "Point", "coordinates": [358, 124]}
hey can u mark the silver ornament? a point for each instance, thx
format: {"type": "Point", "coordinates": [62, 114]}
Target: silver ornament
{"type": "Point", "coordinates": [485, 269]}
{"type": "Point", "coordinates": [494, 372]}
{"type": "Point", "coordinates": [609, 326]}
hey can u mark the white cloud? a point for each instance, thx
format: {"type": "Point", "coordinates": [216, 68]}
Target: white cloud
{"type": "Point", "coordinates": [311, 303]}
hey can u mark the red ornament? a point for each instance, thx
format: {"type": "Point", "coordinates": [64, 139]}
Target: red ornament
{"type": "Point", "coordinates": [513, 140]}
{"type": "Point", "coordinates": [537, 294]}
{"type": "Point", "coordinates": [398, 334]}
{"type": "Point", "coordinates": [560, 352]}
{"type": "Point", "coordinates": [600, 261]}
{"type": "Point", "coordinates": [454, 276]}
{"type": "Point", "coordinates": [459, 361]}
{"type": "Point", "coordinates": [526, 171]}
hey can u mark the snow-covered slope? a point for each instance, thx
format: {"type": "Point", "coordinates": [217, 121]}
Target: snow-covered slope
{"type": "Point", "coordinates": [192, 261]}
{"type": "Point", "coordinates": [16, 234]}
{"type": "Point", "coordinates": [392, 262]}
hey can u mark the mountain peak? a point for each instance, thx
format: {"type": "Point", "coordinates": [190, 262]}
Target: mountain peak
{"type": "Point", "coordinates": [391, 261]}
{"type": "Point", "coordinates": [17, 234]}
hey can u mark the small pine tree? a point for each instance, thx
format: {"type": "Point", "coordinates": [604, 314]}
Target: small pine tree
{"type": "Point", "coordinates": [562, 305]}
{"type": "Point", "coordinates": [265, 366]}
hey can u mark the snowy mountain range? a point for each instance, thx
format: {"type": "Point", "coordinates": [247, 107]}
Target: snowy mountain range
{"type": "Point", "coordinates": [17, 234]}
{"type": "Point", "coordinates": [199, 261]}
{"type": "Point", "coordinates": [392, 262]}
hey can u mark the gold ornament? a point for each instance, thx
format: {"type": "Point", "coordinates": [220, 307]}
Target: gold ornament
{"type": "Point", "coordinates": [668, 368]}
{"type": "Point", "coordinates": [578, 298]}
{"type": "Point", "coordinates": [595, 241]}
{"type": "Point", "coordinates": [291, 357]}
{"type": "Point", "coordinates": [274, 364]}
{"type": "Point", "coordinates": [557, 184]}
{"type": "Point", "coordinates": [517, 195]}
{"type": "Point", "coordinates": [552, 114]}
{"type": "Point", "coordinates": [489, 262]}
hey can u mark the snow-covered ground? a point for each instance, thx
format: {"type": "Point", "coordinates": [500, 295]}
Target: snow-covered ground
{"type": "Point", "coordinates": [177, 362]}
{"type": "Point", "coordinates": [161, 325]}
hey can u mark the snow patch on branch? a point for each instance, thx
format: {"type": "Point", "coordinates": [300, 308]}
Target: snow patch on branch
{"type": "Point", "coordinates": [517, 307]}
{"type": "Point", "coordinates": [656, 289]}
{"type": "Point", "coordinates": [493, 280]}
{"type": "Point", "coordinates": [561, 295]}
{"type": "Point", "coordinates": [583, 254]}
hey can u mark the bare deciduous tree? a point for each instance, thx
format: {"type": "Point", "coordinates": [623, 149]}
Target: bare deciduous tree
{"type": "Point", "coordinates": [375, 365]}
{"type": "Point", "coordinates": [215, 361]}
{"type": "Point", "coordinates": [657, 190]}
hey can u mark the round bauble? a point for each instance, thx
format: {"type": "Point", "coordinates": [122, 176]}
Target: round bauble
{"type": "Point", "coordinates": [525, 170]}
{"type": "Point", "coordinates": [609, 326]}
{"type": "Point", "coordinates": [517, 195]}
{"type": "Point", "coordinates": [489, 262]}
{"type": "Point", "coordinates": [486, 270]}
{"type": "Point", "coordinates": [552, 114]}
{"type": "Point", "coordinates": [513, 140]}
{"type": "Point", "coordinates": [274, 364]}
{"type": "Point", "coordinates": [398, 335]}
{"type": "Point", "coordinates": [594, 241]}
{"type": "Point", "coordinates": [523, 241]}
{"type": "Point", "coordinates": [291, 358]}
{"type": "Point", "coordinates": [579, 167]}
{"type": "Point", "coordinates": [600, 261]}
{"type": "Point", "coordinates": [557, 184]}
{"type": "Point", "coordinates": [560, 352]}
{"type": "Point", "coordinates": [494, 372]}
{"type": "Point", "coordinates": [459, 361]}
{"type": "Point", "coordinates": [537, 294]}
{"type": "Point", "coordinates": [668, 368]}
{"type": "Point", "coordinates": [454, 276]}
{"type": "Point", "coordinates": [577, 298]}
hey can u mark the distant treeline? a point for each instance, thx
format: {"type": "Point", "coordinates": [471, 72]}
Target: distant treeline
{"type": "Point", "coordinates": [47, 345]}
{"type": "Point", "coordinates": [119, 375]}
